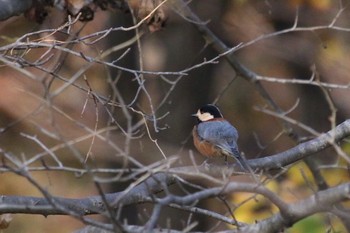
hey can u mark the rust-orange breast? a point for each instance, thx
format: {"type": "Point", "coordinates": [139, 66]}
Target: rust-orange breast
{"type": "Point", "coordinates": [204, 147]}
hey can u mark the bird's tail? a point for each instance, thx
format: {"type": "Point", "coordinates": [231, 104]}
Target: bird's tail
{"type": "Point", "coordinates": [242, 161]}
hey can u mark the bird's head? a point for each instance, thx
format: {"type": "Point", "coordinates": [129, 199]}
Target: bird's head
{"type": "Point", "coordinates": [208, 112]}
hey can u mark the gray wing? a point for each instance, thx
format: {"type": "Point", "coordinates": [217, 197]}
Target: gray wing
{"type": "Point", "coordinates": [224, 135]}
{"type": "Point", "coordinates": [220, 133]}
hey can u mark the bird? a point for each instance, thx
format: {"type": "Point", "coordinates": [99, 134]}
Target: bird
{"type": "Point", "coordinates": [213, 136]}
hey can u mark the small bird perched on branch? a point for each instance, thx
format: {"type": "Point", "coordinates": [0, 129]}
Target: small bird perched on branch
{"type": "Point", "coordinates": [213, 136]}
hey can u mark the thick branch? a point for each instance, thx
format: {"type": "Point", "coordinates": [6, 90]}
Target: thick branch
{"type": "Point", "coordinates": [84, 206]}
{"type": "Point", "coordinates": [282, 159]}
{"type": "Point", "coordinates": [322, 201]}
{"type": "Point", "coordinates": [304, 149]}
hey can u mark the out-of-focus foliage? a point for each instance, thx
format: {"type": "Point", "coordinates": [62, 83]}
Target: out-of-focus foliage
{"type": "Point", "coordinates": [293, 186]}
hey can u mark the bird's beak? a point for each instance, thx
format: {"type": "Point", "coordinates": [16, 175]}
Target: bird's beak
{"type": "Point", "coordinates": [194, 115]}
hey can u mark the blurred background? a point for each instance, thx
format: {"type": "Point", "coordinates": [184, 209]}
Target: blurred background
{"type": "Point", "coordinates": [38, 108]}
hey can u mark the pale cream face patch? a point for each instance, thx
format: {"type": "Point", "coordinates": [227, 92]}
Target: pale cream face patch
{"type": "Point", "coordinates": [204, 116]}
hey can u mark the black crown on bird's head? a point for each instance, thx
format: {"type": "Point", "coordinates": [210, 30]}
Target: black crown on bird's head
{"type": "Point", "coordinates": [207, 113]}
